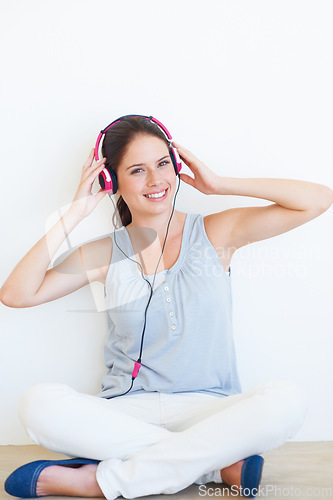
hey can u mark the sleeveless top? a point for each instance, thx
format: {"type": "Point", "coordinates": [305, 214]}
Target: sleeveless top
{"type": "Point", "coordinates": [188, 343]}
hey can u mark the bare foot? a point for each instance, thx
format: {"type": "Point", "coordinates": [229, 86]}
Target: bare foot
{"type": "Point", "coordinates": [69, 481]}
{"type": "Point", "coordinates": [232, 475]}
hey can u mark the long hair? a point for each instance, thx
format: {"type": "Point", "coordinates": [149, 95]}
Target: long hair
{"type": "Point", "coordinates": [116, 142]}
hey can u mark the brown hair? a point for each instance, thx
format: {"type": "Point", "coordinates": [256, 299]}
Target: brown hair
{"type": "Point", "coordinates": [116, 142]}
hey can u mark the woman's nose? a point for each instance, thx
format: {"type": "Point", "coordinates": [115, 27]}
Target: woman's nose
{"type": "Point", "coordinates": [153, 178]}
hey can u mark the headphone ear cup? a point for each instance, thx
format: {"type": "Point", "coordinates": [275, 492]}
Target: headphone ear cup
{"type": "Point", "coordinates": [108, 180]}
{"type": "Point", "coordinates": [175, 160]}
{"type": "Point", "coordinates": [114, 181]}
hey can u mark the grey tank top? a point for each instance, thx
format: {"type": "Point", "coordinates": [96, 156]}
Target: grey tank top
{"type": "Point", "coordinates": [188, 343]}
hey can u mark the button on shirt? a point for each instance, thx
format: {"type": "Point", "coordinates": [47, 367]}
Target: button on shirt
{"type": "Point", "coordinates": [188, 342]}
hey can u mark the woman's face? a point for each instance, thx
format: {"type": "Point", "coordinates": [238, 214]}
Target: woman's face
{"type": "Point", "coordinates": [146, 170]}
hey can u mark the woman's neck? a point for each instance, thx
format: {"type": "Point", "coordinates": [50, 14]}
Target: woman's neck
{"type": "Point", "coordinates": [158, 223]}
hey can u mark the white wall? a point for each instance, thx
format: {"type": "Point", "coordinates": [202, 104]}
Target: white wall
{"type": "Point", "coordinates": [247, 86]}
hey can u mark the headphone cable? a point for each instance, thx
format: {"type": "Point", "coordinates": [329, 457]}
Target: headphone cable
{"type": "Point", "coordinates": [137, 364]}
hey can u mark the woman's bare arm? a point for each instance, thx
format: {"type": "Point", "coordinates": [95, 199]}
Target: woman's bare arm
{"type": "Point", "coordinates": [295, 203]}
{"type": "Point", "coordinates": [30, 283]}
{"type": "Point", "coordinates": [27, 277]}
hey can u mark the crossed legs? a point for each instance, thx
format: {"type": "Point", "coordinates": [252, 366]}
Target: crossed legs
{"type": "Point", "coordinates": [140, 455]}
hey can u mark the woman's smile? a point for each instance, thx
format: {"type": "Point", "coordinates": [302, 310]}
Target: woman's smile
{"type": "Point", "coordinates": [157, 195]}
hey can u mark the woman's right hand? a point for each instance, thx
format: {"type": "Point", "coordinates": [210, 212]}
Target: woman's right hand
{"type": "Point", "coordinates": [84, 201]}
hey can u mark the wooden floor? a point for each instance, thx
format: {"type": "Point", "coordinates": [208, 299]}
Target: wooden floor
{"type": "Point", "coordinates": [295, 470]}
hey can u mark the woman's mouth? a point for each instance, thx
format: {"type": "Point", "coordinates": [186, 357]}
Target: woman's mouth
{"type": "Point", "coordinates": [158, 196]}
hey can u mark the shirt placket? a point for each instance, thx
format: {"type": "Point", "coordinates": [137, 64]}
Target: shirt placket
{"type": "Point", "coordinates": [170, 307]}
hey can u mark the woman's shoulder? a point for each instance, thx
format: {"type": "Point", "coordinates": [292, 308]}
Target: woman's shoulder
{"type": "Point", "coordinates": [217, 229]}
{"type": "Point", "coordinates": [218, 235]}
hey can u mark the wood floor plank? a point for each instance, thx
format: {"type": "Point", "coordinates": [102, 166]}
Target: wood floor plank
{"type": "Point", "coordinates": [294, 470]}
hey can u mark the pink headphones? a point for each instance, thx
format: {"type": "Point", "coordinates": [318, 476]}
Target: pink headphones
{"type": "Point", "coordinates": [107, 178]}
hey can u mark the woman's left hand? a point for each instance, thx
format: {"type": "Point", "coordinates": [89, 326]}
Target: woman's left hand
{"type": "Point", "coordinates": [204, 179]}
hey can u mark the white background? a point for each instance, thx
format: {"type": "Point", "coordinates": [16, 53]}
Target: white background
{"type": "Point", "coordinates": [247, 87]}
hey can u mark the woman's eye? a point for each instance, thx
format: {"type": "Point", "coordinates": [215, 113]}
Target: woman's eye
{"type": "Point", "coordinates": [162, 164]}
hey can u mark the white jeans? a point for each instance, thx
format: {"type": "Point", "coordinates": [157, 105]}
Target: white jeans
{"type": "Point", "coordinates": [155, 443]}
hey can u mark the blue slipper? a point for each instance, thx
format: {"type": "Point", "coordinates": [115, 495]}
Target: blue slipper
{"type": "Point", "coordinates": [251, 475]}
{"type": "Point", "coordinates": [23, 481]}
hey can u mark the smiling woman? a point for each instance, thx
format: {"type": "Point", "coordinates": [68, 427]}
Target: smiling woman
{"type": "Point", "coordinates": [154, 181]}
{"type": "Point", "coordinates": [171, 411]}
{"type": "Point", "coordinates": [124, 143]}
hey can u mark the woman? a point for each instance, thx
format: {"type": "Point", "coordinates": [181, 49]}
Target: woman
{"type": "Point", "coordinates": [176, 416]}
